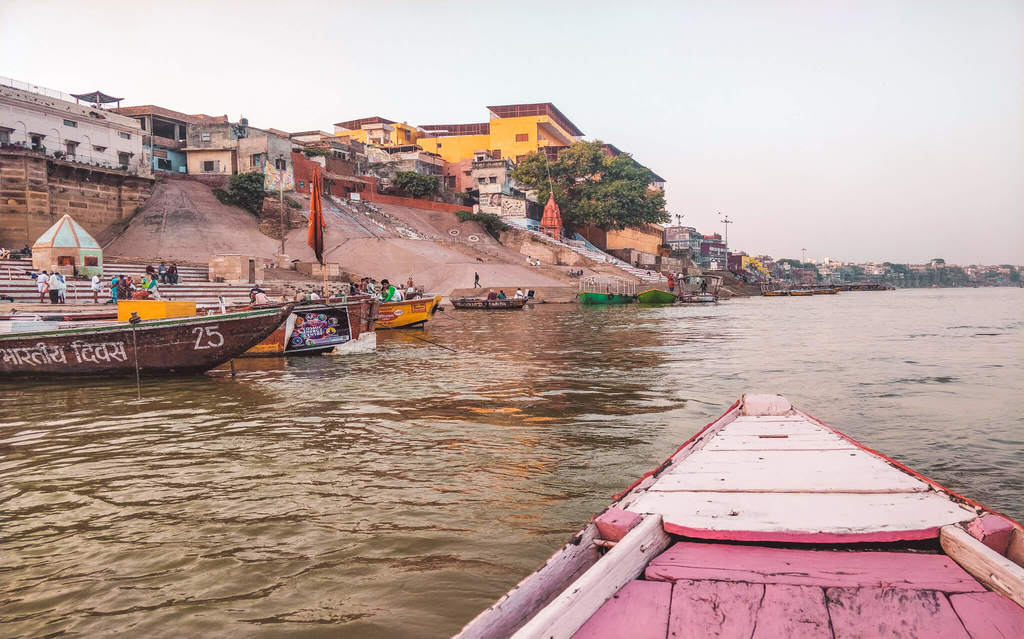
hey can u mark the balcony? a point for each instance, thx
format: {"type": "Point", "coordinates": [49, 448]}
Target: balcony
{"type": "Point", "coordinates": [167, 143]}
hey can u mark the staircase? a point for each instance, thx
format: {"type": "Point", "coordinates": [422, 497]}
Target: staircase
{"type": "Point", "coordinates": [600, 257]}
{"type": "Point", "coordinates": [193, 284]}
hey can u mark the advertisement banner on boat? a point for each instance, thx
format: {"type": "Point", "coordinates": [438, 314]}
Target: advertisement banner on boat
{"type": "Point", "coordinates": [316, 329]}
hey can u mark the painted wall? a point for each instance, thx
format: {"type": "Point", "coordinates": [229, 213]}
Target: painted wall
{"type": "Point", "coordinates": [456, 147]}
{"type": "Point", "coordinates": [502, 138]}
{"type": "Point", "coordinates": [224, 158]}
{"type": "Point", "coordinates": [178, 159]}
{"type": "Point", "coordinates": [647, 238]}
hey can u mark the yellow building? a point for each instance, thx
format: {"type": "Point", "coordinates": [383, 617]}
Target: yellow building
{"type": "Point", "coordinates": [513, 132]}
{"type": "Point", "coordinates": [378, 131]}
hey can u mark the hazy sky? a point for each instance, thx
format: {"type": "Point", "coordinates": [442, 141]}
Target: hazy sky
{"type": "Point", "coordinates": [880, 130]}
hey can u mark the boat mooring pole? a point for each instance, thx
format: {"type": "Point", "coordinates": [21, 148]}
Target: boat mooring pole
{"type": "Point", "coordinates": [133, 320]}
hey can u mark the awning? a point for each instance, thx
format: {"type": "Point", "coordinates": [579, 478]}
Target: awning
{"type": "Point", "coordinates": [96, 97]}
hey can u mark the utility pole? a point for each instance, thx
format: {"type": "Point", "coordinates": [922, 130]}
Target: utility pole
{"type": "Point", "coordinates": [803, 259]}
{"type": "Point", "coordinates": [280, 191]}
{"type": "Point", "coordinates": [727, 222]}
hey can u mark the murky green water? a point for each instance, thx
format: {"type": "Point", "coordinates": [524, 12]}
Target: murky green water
{"type": "Point", "coordinates": [397, 494]}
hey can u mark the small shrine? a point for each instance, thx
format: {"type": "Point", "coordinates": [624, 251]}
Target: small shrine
{"type": "Point", "coordinates": [551, 221]}
{"type": "Point", "coordinates": [68, 248]}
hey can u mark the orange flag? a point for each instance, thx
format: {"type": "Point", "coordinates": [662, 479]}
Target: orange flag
{"type": "Point", "coordinates": [316, 217]}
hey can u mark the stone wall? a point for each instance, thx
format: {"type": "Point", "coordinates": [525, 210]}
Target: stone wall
{"type": "Point", "coordinates": [36, 191]}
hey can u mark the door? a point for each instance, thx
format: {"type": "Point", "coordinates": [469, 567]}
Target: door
{"type": "Point", "coordinates": [252, 271]}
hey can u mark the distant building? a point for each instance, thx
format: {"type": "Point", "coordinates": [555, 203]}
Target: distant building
{"type": "Point", "coordinates": [513, 132]}
{"type": "Point", "coordinates": [224, 148]}
{"type": "Point", "coordinates": [62, 126]}
{"type": "Point", "coordinates": [165, 133]}
{"type": "Point", "coordinates": [712, 252]}
{"type": "Point", "coordinates": [378, 131]}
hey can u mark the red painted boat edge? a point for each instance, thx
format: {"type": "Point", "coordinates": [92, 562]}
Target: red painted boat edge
{"type": "Point", "coordinates": [910, 471]}
{"type": "Point", "coordinates": [660, 467]}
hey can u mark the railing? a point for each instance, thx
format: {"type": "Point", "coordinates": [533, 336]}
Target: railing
{"type": "Point", "coordinates": [35, 88]}
{"type": "Point", "coordinates": [134, 167]}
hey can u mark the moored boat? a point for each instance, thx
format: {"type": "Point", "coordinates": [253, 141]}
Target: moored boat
{"type": "Point", "coordinates": [775, 293]}
{"type": "Point", "coordinates": [600, 291]}
{"type": "Point", "coordinates": [407, 314]}
{"type": "Point", "coordinates": [769, 523]}
{"type": "Point", "coordinates": [480, 303]}
{"type": "Point", "coordinates": [656, 296]}
{"type": "Point", "coordinates": [184, 345]}
{"type": "Point", "coordinates": [315, 329]}
{"type": "Point", "coordinates": [700, 289]}
{"type": "Point", "coordinates": [825, 291]}
{"type": "Point", "coordinates": [801, 292]}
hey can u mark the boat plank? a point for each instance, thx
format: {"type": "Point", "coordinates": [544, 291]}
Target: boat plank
{"type": "Point", "coordinates": [802, 517]}
{"type": "Point", "coordinates": [823, 568]}
{"type": "Point", "coordinates": [794, 612]}
{"type": "Point", "coordinates": [702, 609]}
{"type": "Point", "coordinates": [640, 610]}
{"type": "Point", "coordinates": [724, 441]}
{"type": "Point", "coordinates": [817, 471]}
{"type": "Point", "coordinates": [567, 613]}
{"type": "Point", "coordinates": [989, 615]}
{"type": "Point", "coordinates": [992, 530]}
{"type": "Point", "coordinates": [989, 567]}
{"type": "Point", "coordinates": [614, 523]}
{"type": "Point", "coordinates": [887, 613]}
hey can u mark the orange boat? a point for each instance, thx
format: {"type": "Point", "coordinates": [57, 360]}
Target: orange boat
{"type": "Point", "coordinates": [408, 313]}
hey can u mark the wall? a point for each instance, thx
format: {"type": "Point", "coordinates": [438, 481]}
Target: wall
{"type": "Point", "coordinates": [35, 192]}
{"type": "Point", "coordinates": [647, 238]}
{"type": "Point", "coordinates": [178, 159]}
{"type": "Point", "coordinates": [25, 113]}
{"type": "Point", "coordinates": [225, 157]}
{"type": "Point", "coordinates": [456, 147]}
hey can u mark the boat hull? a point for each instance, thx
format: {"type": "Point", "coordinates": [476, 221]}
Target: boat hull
{"type": "Point", "coordinates": [475, 303]}
{"type": "Point", "coordinates": [188, 345]}
{"type": "Point", "coordinates": [315, 329]}
{"type": "Point", "coordinates": [407, 314]}
{"type": "Point", "coordinates": [601, 299]}
{"type": "Point", "coordinates": [656, 296]}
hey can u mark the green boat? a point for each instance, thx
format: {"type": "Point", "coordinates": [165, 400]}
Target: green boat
{"type": "Point", "coordinates": [606, 290]}
{"type": "Point", "coordinates": [605, 298]}
{"type": "Point", "coordinates": [656, 296]}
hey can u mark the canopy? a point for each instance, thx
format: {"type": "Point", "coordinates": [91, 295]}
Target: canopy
{"type": "Point", "coordinates": [96, 97]}
{"type": "Point", "coordinates": [66, 233]}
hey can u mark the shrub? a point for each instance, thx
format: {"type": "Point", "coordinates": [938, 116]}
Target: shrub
{"type": "Point", "coordinates": [492, 223]}
{"type": "Point", "coordinates": [415, 184]}
{"type": "Point", "coordinates": [292, 203]}
{"type": "Point", "coordinates": [309, 153]}
{"type": "Point", "coordinates": [244, 190]}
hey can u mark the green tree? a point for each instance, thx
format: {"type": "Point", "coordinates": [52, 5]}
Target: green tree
{"type": "Point", "coordinates": [593, 187]}
{"type": "Point", "coordinates": [415, 184]}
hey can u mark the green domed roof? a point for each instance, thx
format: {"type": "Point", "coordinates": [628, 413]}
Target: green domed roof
{"type": "Point", "coordinates": [66, 233]}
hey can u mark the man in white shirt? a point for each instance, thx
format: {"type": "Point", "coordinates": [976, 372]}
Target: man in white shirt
{"type": "Point", "coordinates": [519, 294]}
{"type": "Point", "coordinates": [43, 286]}
{"type": "Point", "coordinates": [96, 288]}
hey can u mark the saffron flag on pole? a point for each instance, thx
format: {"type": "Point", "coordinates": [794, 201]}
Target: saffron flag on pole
{"type": "Point", "coordinates": [316, 216]}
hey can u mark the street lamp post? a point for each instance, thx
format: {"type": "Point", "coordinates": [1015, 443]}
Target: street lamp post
{"type": "Point", "coordinates": [727, 222]}
{"type": "Point", "coordinates": [803, 258]}
{"type": "Point", "coordinates": [280, 192]}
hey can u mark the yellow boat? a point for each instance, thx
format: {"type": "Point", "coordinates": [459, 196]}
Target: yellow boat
{"type": "Point", "coordinates": [408, 313]}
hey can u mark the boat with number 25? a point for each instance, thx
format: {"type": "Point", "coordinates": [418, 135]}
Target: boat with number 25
{"type": "Point", "coordinates": [183, 345]}
{"type": "Point", "coordinates": [768, 523]}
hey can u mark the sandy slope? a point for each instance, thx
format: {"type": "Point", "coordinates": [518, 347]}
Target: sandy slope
{"type": "Point", "coordinates": [184, 221]}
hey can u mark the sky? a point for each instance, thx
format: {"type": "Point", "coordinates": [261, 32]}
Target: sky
{"type": "Point", "coordinates": [861, 131]}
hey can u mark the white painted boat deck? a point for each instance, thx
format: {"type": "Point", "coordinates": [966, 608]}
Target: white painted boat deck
{"type": "Point", "coordinates": [783, 477]}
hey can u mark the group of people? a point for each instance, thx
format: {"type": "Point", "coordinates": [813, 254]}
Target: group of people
{"type": "Point", "coordinates": [500, 295]}
{"type": "Point", "coordinates": [52, 286]}
{"type": "Point", "coordinates": [385, 291]}
{"type": "Point", "coordinates": [166, 274]}
{"type": "Point", "coordinates": [126, 287]}
{"type": "Point", "coordinates": [576, 273]}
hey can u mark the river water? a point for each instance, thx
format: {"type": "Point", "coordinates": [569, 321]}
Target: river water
{"type": "Point", "coordinates": [399, 493]}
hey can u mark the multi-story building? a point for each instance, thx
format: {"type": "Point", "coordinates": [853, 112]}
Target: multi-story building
{"type": "Point", "coordinates": [712, 252]}
{"type": "Point", "coordinates": [164, 137]}
{"type": "Point", "coordinates": [513, 131]}
{"type": "Point", "coordinates": [378, 131]}
{"type": "Point", "coordinates": [683, 238]}
{"type": "Point", "coordinates": [59, 125]}
{"type": "Point", "coordinates": [226, 148]}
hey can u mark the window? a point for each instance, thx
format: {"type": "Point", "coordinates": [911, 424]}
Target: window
{"type": "Point", "coordinates": [126, 136]}
{"type": "Point", "coordinates": [496, 154]}
{"type": "Point", "coordinates": [302, 184]}
{"type": "Point", "coordinates": [482, 180]}
{"type": "Point", "coordinates": [142, 123]}
{"type": "Point", "coordinates": [70, 123]}
{"type": "Point", "coordinates": [520, 158]}
{"type": "Point", "coordinates": [5, 136]}
{"type": "Point", "coordinates": [163, 164]}
{"type": "Point", "coordinates": [209, 166]}
{"type": "Point", "coordinates": [99, 149]}
{"type": "Point", "coordinates": [468, 173]}
{"type": "Point", "coordinates": [254, 159]}
{"type": "Point", "coordinates": [522, 137]}
{"type": "Point", "coordinates": [494, 179]}
{"type": "Point", "coordinates": [92, 260]}
{"type": "Point", "coordinates": [37, 142]}
{"type": "Point", "coordinates": [71, 146]}
{"type": "Point", "coordinates": [204, 137]}
{"type": "Point", "coordinates": [124, 158]}
{"type": "Point", "coordinates": [451, 181]}
{"type": "Point", "coordinates": [280, 164]}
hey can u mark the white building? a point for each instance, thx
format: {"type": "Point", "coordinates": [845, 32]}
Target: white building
{"type": "Point", "coordinates": [55, 124]}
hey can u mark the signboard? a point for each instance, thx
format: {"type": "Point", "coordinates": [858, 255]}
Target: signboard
{"type": "Point", "coordinates": [490, 203]}
{"type": "Point", "coordinates": [318, 329]}
{"type": "Point", "coordinates": [513, 207]}
{"type": "Point", "coordinates": [277, 179]}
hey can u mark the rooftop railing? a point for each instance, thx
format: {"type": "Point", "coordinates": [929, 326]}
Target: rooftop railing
{"type": "Point", "coordinates": [35, 88]}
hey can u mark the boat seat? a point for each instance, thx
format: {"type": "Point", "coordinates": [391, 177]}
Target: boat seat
{"type": "Point", "coordinates": [765, 406]}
